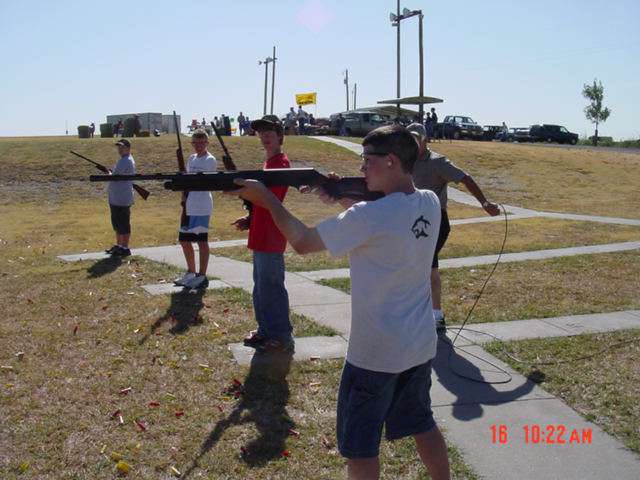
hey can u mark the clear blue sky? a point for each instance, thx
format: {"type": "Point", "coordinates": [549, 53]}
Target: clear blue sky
{"type": "Point", "coordinates": [495, 60]}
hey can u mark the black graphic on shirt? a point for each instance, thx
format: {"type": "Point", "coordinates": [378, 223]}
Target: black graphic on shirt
{"type": "Point", "coordinates": [420, 227]}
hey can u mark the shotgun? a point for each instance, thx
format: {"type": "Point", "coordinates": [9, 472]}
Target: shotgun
{"type": "Point", "coordinates": [141, 191]}
{"type": "Point", "coordinates": [354, 188]}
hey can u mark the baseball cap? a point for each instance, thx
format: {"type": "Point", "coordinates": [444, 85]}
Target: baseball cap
{"type": "Point", "coordinates": [267, 123]}
{"type": "Point", "coordinates": [123, 143]}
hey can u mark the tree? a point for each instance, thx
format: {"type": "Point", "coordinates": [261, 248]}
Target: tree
{"type": "Point", "coordinates": [595, 112]}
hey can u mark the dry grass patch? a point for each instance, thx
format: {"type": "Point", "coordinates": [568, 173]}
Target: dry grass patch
{"type": "Point", "coordinates": [606, 396]}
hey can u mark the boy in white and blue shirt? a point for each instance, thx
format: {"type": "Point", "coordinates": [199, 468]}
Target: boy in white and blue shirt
{"type": "Point", "coordinates": [387, 374]}
{"type": "Point", "coordinates": [120, 200]}
{"type": "Point", "coordinates": [199, 206]}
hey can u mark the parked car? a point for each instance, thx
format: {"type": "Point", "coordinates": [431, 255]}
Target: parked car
{"type": "Point", "coordinates": [490, 132]}
{"type": "Point", "coordinates": [552, 133]}
{"type": "Point", "coordinates": [360, 122]}
{"type": "Point", "coordinates": [456, 127]}
{"type": "Point", "coordinates": [521, 135]}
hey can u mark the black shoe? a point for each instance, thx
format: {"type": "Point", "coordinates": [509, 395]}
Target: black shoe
{"type": "Point", "coordinates": [122, 252]}
{"type": "Point", "coordinates": [276, 346]}
{"type": "Point", "coordinates": [254, 340]}
{"type": "Point", "coordinates": [112, 250]}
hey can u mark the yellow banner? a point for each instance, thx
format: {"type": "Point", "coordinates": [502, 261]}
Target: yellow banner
{"type": "Point", "coordinates": [306, 98]}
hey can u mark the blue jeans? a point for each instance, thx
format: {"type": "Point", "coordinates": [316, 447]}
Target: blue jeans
{"type": "Point", "coordinates": [270, 297]}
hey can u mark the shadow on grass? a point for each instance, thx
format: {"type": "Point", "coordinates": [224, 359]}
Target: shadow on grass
{"type": "Point", "coordinates": [263, 403]}
{"type": "Point", "coordinates": [104, 266]}
{"type": "Point", "coordinates": [465, 380]}
{"type": "Point", "coordinates": [183, 313]}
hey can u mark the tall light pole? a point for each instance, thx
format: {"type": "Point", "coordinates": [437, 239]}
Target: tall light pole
{"type": "Point", "coordinates": [406, 13]}
{"type": "Point", "coordinates": [355, 91]}
{"type": "Point", "coordinates": [346, 86]}
{"type": "Point", "coordinates": [266, 62]}
{"type": "Point", "coordinates": [395, 21]}
{"type": "Point", "coordinates": [273, 77]}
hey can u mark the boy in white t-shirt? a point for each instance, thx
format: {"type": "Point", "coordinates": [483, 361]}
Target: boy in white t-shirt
{"type": "Point", "coordinates": [387, 373]}
{"type": "Point", "coordinates": [195, 227]}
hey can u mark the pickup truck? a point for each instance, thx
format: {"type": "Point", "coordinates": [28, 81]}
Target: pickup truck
{"type": "Point", "coordinates": [552, 133]}
{"type": "Point", "coordinates": [457, 126]}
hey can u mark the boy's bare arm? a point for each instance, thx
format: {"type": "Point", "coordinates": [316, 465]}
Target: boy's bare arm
{"type": "Point", "coordinates": [303, 239]}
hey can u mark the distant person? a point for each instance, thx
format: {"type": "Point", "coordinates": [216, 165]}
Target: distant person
{"type": "Point", "coordinates": [505, 132]}
{"type": "Point", "coordinates": [342, 126]}
{"type": "Point", "coordinates": [92, 129]}
{"type": "Point", "coordinates": [434, 115]}
{"type": "Point", "coordinates": [241, 121]}
{"type": "Point", "coordinates": [433, 171]}
{"type": "Point", "coordinates": [199, 206]}
{"type": "Point", "coordinates": [302, 120]}
{"type": "Point", "coordinates": [136, 125]}
{"type": "Point", "coordinates": [226, 123]}
{"type": "Point", "coordinates": [120, 200]}
{"type": "Point", "coordinates": [312, 120]}
{"type": "Point", "coordinates": [290, 121]}
{"type": "Point", "coordinates": [203, 124]}
{"type": "Point", "coordinates": [428, 126]}
{"type": "Point", "coordinates": [216, 122]}
{"type": "Point", "coordinates": [119, 128]}
{"type": "Point", "coordinates": [156, 132]}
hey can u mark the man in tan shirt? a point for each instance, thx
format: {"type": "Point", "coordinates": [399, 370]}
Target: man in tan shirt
{"type": "Point", "coordinates": [433, 172]}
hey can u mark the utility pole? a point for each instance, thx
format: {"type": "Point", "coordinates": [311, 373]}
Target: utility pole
{"type": "Point", "coordinates": [355, 91]}
{"type": "Point", "coordinates": [398, 58]}
{"type": "Point", "coordinates": [421, 108]}
{"type": "Point", "coordinates": [266, 62]}
{"type": "Point", "coordinates": [346, 86]}
{"type": "Point", "coordinates": [273, 78]}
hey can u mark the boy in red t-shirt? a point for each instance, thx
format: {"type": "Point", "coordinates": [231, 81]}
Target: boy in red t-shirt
{"type": "Point", "coordinates": [270, 297]}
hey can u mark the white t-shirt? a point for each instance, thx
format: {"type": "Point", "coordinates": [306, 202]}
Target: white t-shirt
{"type": "Point", "coordinates": [390, 243]}
{"type": "Point", "coordinates": [200, 203]}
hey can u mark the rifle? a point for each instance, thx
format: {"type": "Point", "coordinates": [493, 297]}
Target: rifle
{"type": "Point", "coordinates": [354, 188]}
{"type": "Point", "coordinates": [229, 164]}
{"type": "Point", "coordinates": [226, 157]}
{"type": "Point", "coordinates": [181, 169]}
{"type": "Point", "coordinates": [141, 191]}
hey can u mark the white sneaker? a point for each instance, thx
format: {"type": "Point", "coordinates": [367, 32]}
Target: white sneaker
{"type": "Point", "coordinates": [186, 278]}
{"type": "Point", "coordinates": [198, 281]}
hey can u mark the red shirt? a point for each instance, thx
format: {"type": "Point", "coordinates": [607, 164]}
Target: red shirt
{"type": "Point", "coordinates": [264, 236]}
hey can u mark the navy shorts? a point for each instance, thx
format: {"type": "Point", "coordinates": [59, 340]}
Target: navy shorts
{"type": "Point", "coordinates": [121, 219]}
{"type": "Point", "coordinates": [445, 229]}
{"type": "Point", "coordinates": [369, 400]}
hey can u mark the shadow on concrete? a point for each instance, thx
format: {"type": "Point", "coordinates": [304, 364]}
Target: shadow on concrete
{"type": "Point", "coordinates": [183, 313]}
{"type": "Point", "coordinates": [451, 366]}
{"type": "Point", "coordinates": [263, 403]}
{"type": "Point", "coordinates": [104, 266]}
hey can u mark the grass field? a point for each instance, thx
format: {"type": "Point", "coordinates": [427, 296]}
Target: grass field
{"type": "Point", "coordinates": [553, 179]}
{"type": "Point", "coordinates": [75, 335]}
{"type": "Point", "coordinates": [604, 387]}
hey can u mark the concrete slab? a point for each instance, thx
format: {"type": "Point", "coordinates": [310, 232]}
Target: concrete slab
{"type": "Point", "coordinates": [468, 410]}
{"type": "Point", "coordinates": [592, 218]}
{"type": "Point", "coordinates": [481, 333]}
{"type": "Point", "coordinates": [336, 316]}
{"type": "Point", "coordinates": [317, 275]}
{"type": "Point", "coordinates": [167, 288]}
{"type": "Point", "coordinates": [150, 251]}
{"type": "Point", "coordinates": [595, 323]}
{"type": "Point", "coordinates": [307, 348]}
{"type": "Point", "coordinates": [602, 458]}
{"type": "Point", "coordinates": [312, 294]}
